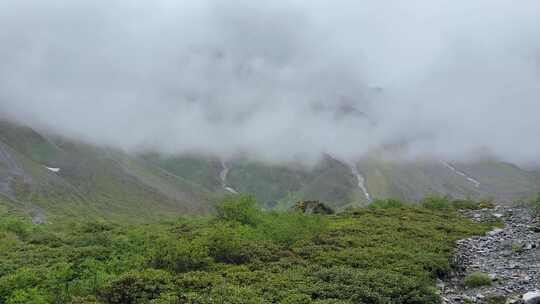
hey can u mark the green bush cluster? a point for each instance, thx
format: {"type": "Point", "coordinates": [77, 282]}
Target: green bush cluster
{"type": "Point", "coordinates": [389, 253]}
{"type": "Point", "coordinates": [536, 204]}
{"type": "Point", "coordinates": [434, 202]}
{"type": "Point", "coordinates": [477, 279]}
{"type": "Point", "coordinates": [386, 204]}
{"type": "Point", "coordinates": [446, 203]}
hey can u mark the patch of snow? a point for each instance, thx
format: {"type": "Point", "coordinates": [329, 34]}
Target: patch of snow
{"type": "Point", "coordinates": [55, 170]}
{"type": "Point", "coordinates": [231, 190]}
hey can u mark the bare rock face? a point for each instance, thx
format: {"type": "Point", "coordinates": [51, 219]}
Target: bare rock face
{"type": "Point", "coordinates": [312, 207]}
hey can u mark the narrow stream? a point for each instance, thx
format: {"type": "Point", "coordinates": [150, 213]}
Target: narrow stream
{"type": "Point", "coordinates": [470, 179]}
{"type": "Point", "coordinates": [223, 176]}
{"type": "Point", "coordinates": [361, 181]}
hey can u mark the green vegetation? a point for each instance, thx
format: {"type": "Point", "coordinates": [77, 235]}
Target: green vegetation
{"type": "Point", "coordinates": [102, 183]}
{"type": "Point", "coordinates": [411, 181]}
{"type": "Point", "coordinates": [447, 203]}
{"type": "Point", "coordinates": [517, 248]}
{"type": "Point", "coordinates": [280, 187]}
{"type": "Point", "coordinates": [536, 204]}
{"type": "Point", "coordinates": [199, 170]}
{"type": "Point", "coordinates": [434, 202]}
{"type": "Point", "coordinates": [477, 279]}
{"type": "Point", "coordinates": [386, 254]}
{"type": "Point", "coordinates": [386, 204]}
{"type": "Point", "coordinates": [92, 183]}
{"type": "Point", "coordinates": [496, 299]}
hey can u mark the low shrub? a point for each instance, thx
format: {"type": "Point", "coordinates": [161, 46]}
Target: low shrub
{"type": "Point", "coordinates": [20, 227]}
{"type": "Point", "coordinates": [536, 204]}
{"type": "Point", "coordinates": [385, 254]}
{"type": "Point", "coordinates": [486, 203]}
{"type": "Point", "coordinates": [436, 202]}
{"type": "Point", "coordinates": [496, 299]}
{"type": "Point", "coordinates": [465, 204]}
{"type": "Point", "coordinates": [386, 204]}
{"type": "Point", "coordinates": [242, 209]}
{"type": "Point", "coordinates": [28, 296]}
{"type": "Point", "coordinates": [21, 279]}
{"type": "Point", "coordinates": [179, 255]}
{"type": "Point", "coordinates": [137, 287]}
{"type": "Point", "coordinates": [230, 243]}
{"type": "Point", "coordinates": [477, 279]}
{"type": "Point", "coordinates": [286, 228]}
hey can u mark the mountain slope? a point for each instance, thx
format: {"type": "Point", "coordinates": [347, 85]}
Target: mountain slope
{"type": "Point", "coordinates": [414, 180]}
{"type": "Point", "coordinates": [64, 178]}
{"type": "Point", "coordinates": [341, 184]}
{"type": "Point", "coordinates": [48, 177]}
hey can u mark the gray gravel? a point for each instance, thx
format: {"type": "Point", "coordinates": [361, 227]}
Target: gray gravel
{"type": "Point", "coordinates": [510, 256]}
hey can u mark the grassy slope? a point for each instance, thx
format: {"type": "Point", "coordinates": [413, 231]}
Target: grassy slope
{"type": "Point", "coordinates": [199, 170]}
{"type": "Point", "coordinates": [95, 182]}
{"type": "Point", "coordinates": [102, 182]}
{"type": "Point", "coordinates": [268, 183]}
{"type": "Point", "coordinates": [333, 183]}
{"type": "Point", "coordinates": [29, 143]}
{"type": "Point", "coordinates": [414, 180]}
{"type": "Point", "coordinates": [502, 180]}
{"type": "Point", "coordinates": [281, 186]}
{"type": "Point", "coordinates": [364, 256]}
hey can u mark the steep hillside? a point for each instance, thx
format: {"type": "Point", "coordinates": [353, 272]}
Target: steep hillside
{"type": "Point", "coordinates": [502, 180]}
{"type": "Point", "coordinates": [275, 186]}
{"type": "Point", "coordinates": [414, 180]}
{"type": "Point", "coordinates": [49, 178]}
{"type": "Point", "coordinates": [341, 184]}
{"type": "Point", "coordinates": [202, 171]}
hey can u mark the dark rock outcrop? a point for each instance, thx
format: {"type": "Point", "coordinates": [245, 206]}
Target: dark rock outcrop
{"type": "Point", "coordinates": [312, 207]}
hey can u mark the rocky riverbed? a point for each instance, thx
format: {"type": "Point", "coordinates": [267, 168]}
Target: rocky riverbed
{"type": "Point", "coordinates": [509, 256]}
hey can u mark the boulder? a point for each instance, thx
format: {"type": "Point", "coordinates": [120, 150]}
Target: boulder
{"type": "Point", "coordinates": [495, 232]}
{"type": "Point", "coordinates": [312, 207]}
{"type": "Point", "coordinates": [532, 297]}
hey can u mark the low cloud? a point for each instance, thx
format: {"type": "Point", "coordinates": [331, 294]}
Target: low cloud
{"type": "Point", "coordinates": [278, 80]}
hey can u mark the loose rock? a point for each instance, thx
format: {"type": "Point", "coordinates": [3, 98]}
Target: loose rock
{"type": "Point", "coordinates": [510, 256]}
{"type": "Point", "coordinates": [532, 297]}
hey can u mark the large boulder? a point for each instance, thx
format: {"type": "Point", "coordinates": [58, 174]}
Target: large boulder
{"type": "Point", "coordinates": [532, 297]}
{"type": "Point", "coordinates": [312, 207]}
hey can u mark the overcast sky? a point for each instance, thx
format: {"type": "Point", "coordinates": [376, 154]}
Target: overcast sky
{"type": "Point", "coordinates": [278, 79]}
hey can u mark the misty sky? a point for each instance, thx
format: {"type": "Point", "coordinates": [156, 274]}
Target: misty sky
{"type": "Point", "coordinates": [278, 79]}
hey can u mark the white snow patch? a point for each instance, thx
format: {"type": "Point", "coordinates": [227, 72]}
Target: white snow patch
{"type": "Point", "coordinates": [231, 190]}
{"type": "Point", "coordinates": [55, 170]}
